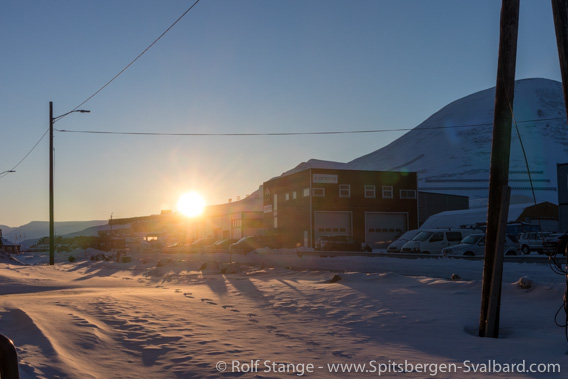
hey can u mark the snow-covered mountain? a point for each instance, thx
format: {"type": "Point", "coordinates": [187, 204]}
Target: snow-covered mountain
{"type": "Point", "coordinates": [451, 150]}
{"type": "Point", "coordinates": [38, 229]}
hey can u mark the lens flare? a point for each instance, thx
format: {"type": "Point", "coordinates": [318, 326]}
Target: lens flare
{"type": "Point", "coordinates": [191, 204]}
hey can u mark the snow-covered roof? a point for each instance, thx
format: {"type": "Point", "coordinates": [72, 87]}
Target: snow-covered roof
{"type": "Point", "coordinates": [5, 242]}
{"type": "Point", "coordinates": [454, 219]}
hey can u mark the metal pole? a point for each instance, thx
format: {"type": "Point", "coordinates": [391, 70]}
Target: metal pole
{"type": "Point", "coordinates": [560, 13]}
{"type": "Point", "coordinates": [8, 359]}
{"type": "Point", "coordinates": [500, 152]}
{"type": "Point", "coordinates": [51, 216]}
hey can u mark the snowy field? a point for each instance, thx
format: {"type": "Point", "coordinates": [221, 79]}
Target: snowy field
{"type": "Point", "coordinates": [276, 315]}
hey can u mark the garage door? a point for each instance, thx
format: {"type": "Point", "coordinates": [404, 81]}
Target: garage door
{"type": "Point", "coordinates": [382, 228]}
{"type": "Point", "coordinates": [332, 223]}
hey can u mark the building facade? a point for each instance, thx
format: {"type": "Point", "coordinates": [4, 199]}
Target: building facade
{"type": "Point", "coordinates": [370, 206]}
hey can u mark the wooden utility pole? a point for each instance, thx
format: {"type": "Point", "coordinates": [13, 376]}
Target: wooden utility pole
{"type": "Point", "coordinates": [498, 207]}
{"type": "Point", "coordinates": [560, 13]}
{"type": "Point", "coordinates": [51, 217]}
{"type": "Point", "coordinates": [52, 120]}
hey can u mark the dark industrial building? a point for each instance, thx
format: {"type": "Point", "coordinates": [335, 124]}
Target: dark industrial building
{"type": "Point", "coordinates": [370, 206]}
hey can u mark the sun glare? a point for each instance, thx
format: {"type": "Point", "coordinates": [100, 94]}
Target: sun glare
{"type": "Point", "coordinates": [191, 204]}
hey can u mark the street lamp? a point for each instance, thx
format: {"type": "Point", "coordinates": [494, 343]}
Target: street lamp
{"type": "Point", "coordinates": [52, 120]}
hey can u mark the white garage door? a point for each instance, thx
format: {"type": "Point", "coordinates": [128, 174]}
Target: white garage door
{"type": "Point", "coordinates": [332, 223]}
{"type": "Point", "coordinates": [382, 228]}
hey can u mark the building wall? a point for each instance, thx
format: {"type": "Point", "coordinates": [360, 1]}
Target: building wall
{"type": "Point", "coordinates": [233, 220]}
{"type": "Point", "coordinates": [346, 198]}
{"type": "Point", "coordinates": [289, 216]}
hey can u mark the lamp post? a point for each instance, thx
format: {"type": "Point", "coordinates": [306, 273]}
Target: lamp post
{"type": "Point", "coordinates": [52, 120]}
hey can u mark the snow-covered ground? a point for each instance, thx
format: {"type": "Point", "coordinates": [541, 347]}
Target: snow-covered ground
{"type": "Point", "coordinates": [160, 316]}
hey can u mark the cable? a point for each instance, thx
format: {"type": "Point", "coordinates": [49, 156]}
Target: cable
{"type": "Point", "coordinates": [563, 241]}
{"type": "Point", "coordinates": [235, 134]}
{"type": "Point", "coordinates": [557, 268]}
{"type": "Point", "coordinates": [24, 158]}
{"type": "Point", "coordinates": [291, 133]}
{"type": "Point", "coordinates": [138, 57]}
{"type": "Point", "coordinates": [107, 83]}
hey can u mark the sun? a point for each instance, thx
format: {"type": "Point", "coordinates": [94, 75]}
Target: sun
{"type": "Point", "coordinates": [191, 204]}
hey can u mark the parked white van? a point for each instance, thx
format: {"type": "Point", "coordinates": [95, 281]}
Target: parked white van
{"type": "Point", "coordinates": [432, 241]}
{"type": "Point", "coordinates": [396, 245]}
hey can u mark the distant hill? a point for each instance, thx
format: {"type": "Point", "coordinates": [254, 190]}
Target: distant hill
{"type": "Point", "coordinates": [38, 229]}
{"type": "Point", "coordinates": [451, 150]}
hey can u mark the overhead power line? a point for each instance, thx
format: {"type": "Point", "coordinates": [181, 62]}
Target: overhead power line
{"type": "Point", "coordinates": [289, 133]}
{"type": "Point", "coordinates": [25, 156]}
{"type": "Point", "coordinates": [138, 57]}
{"type": "Point", "coordinates": [106, 84]}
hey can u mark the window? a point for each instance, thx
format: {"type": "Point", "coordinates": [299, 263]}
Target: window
{"type": "Point", "coordinates": [437, 237]}
{"type": "Point", "coordinates": [287, 197]}
{"type": "Point", "coordinates": [387, 192]}
{"type": "Point", "coordinates": [344, 190]}
{"type": "Point", "coordinates": [454, 236]}
{"type": "Point", "coordinates": [294, 195]}
{"type": "Point", "coordinates": [306, 192]}
{"type": "Point", "coordinates": [275, 202]}
{"type": "Point", "coordinates": [319, 192]}
{"type": "Point", "coordinates": [370, 192]}
{"type": "Point", "coordinates": [408, 194]}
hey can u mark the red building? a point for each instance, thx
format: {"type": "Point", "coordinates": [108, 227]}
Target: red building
{"type": "Point", "coordinates": [370, 206]}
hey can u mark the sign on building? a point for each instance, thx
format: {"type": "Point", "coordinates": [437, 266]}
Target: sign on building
{"type": "Point", "coordinates": [324, 178]}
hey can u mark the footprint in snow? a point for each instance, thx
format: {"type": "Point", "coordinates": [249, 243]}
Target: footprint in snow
{"type": "Point", "coordinates": [342, 354]}
{"type": "Point", "coordinates": [251, 315]}
{"type": "Point", "coordinates": [188, 294]}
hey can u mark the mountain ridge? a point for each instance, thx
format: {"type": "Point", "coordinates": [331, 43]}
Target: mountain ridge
{"type": "Point", "coordinates": [451, 149]}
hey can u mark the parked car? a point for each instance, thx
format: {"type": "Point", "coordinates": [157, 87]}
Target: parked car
{"type": "Point", "coordinates": [201, 243]}
{"type": "Point", "coordinates": [396, 245]}
{"type": "Point", "coordinates": [250, 243]}
{"type": "Point", "coordinates": [474, 244]}
{"type": "Point", "coordinates": [340, 243]}
{"type": "Point", "coordinates": [552, 242]}
{"type": "Point", "coordinates": [532, 241]}
{"type": "Point", "coordinates": [432, 241]}
{"type": "Point", "coordinates": [223, 243]}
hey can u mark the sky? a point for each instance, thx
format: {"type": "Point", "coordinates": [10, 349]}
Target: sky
{"type": "Point", "coordinates": [227, 67]}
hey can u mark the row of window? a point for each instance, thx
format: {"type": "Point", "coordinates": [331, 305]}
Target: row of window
{"type": "Point", "coordinates": [332, 230]}
{"type": "Point", "coordinates": [370, 192]}
{"type": "Point", "coordinates": [384, 230]}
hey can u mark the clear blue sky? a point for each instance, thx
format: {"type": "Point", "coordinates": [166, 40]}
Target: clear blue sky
{"type": "Point", "coordinates": [229, 66]}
